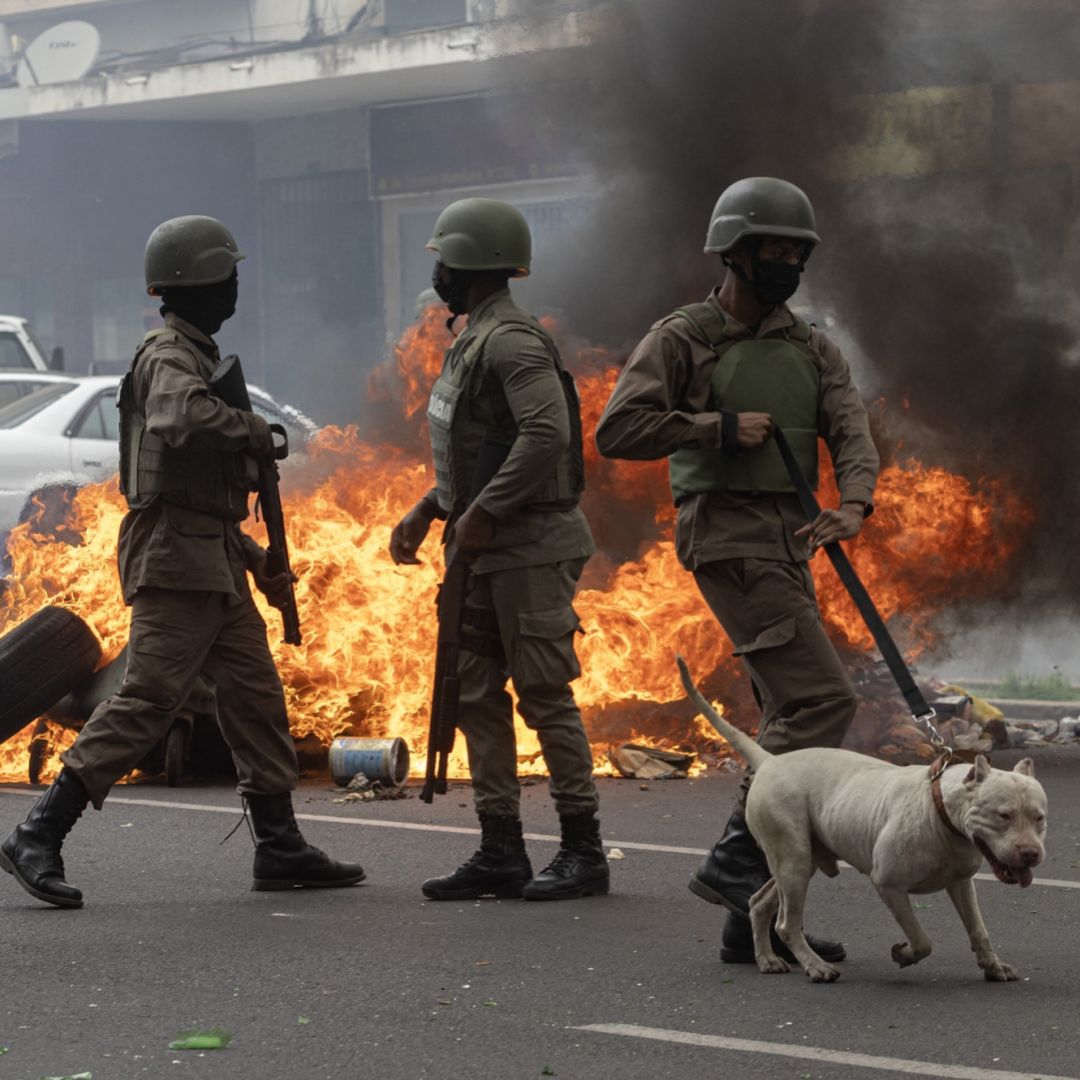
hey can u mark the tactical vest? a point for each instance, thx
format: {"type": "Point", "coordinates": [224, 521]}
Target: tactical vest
{"type": "Point", "coordinates": [210, 481]}
{"type": "Point", "coordinates": [774, 375]}
{"type": "Point", "coordinates": [457, 436]}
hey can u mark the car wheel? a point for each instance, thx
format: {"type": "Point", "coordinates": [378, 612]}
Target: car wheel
{"type": "Point", "coordinates": [41, 660]}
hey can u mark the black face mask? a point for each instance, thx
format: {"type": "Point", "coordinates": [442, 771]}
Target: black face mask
{"type": "Point", "coordinates": [452, 293]}
{"type": "Point", "coordinates": [204, 306]}
{"type": "Point", "coordinates": [774, 282]}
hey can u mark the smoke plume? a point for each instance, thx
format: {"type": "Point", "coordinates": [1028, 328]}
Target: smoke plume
{"type": "Point", "coordinates": [945, 258]}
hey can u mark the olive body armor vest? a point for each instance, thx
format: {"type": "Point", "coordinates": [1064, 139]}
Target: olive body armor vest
{"type": "Point", "coordinates": [199, 478]}
{"type": "Point", "coordinates": [461, 431]}
{"type": "Point", "coordinates": [775, 375]}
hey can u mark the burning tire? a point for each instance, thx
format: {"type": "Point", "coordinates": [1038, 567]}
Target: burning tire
{"type": "Point", "coordinates": [41, 660]}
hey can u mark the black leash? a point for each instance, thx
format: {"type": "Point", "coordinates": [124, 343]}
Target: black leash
{"type": "Point", "coordinates": [921, 712]}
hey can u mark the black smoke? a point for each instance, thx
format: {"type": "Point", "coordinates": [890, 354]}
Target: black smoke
{"type": "Point", "coordinates": [948, 265]}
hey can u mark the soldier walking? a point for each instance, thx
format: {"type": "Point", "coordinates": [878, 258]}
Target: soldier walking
{"type": "Point", "coordinates": [704, 388]}
{"type": "Point", "coordinates": [187, 470]}
{"type": "Point", "coordinates": [503, 391]}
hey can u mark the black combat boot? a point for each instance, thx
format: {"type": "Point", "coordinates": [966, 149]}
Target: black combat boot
{"type": "Point", "coordinates": [32, 852]}
{"type": "Point", "coordinates": [737, 944]}
{"type": "Point", "coordinates": [499, 868]}
{"type": "Point", "coordinates": [733, 871]}
{"type": "Point", "coordinates": [283, 858]}
{"type": "Point", "coordinates": [578, 869]}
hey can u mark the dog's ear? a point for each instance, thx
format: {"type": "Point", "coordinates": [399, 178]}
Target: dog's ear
{"type": "Point", "coordinates": [1025, 767]}
{"type": "Point", "coordinates": [979, 771]}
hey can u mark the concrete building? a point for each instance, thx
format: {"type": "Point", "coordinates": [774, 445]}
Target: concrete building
{"type": "Point", "coordinates": [327, 133]}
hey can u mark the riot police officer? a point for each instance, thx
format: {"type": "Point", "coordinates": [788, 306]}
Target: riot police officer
{"type": "Point", "coordinates": [187, 471]}
{"type": "Point", "coordinates": [503, 392]}
{"type": "Point", "coordinates": [705, 388]}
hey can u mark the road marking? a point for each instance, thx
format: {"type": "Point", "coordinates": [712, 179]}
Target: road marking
{"type": "Point", "coordinates": [377, 823]}
{"type": "Point", "coordinates": [334, 819]}
{"type": "Point", "coordinates": [816, 1053]}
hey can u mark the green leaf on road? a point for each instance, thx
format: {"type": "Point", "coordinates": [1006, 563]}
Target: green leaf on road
{"type": "Point", "coordinates": [302, 1020]}
{"type": "Point", "coordinates": [547, 1070]}
{"type": "Point", "coordinates": [213, 1039]}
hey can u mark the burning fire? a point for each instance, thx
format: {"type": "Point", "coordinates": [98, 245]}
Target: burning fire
{"type": "Point", "coordinates": [369, 627]}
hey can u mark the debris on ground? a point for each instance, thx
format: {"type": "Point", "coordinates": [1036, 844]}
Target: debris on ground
{"type": "Point", "coordinates": [635, 761]}
{"type": "Point", "coordinates": [362, 788]}
{"type": "Point", "coordinates": [1021, 733]}
{"type": "Point", "coordinates": [211, 1039]}
{"type": "Point", "coordinates": [615, 853]}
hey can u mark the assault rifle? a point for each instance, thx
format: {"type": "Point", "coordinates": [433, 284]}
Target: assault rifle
{"type": "Point", "coordinates": [228, 383]}
{"type": "Point", "coordinates": [450, 605]}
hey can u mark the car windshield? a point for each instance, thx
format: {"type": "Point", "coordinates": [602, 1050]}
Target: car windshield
{"type": "Point", "coordinates": [18, 412]}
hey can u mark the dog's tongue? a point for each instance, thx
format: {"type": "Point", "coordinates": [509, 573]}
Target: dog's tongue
{"type": "Point", "coordinates": [1024, 877]}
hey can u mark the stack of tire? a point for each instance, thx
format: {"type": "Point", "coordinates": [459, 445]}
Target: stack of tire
{"type": "Point", "coordinates": [49, 671]}
{"type": "Point", "coordinates": [43, 659]}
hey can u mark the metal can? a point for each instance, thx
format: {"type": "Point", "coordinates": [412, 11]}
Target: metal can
{"type": "Point", "coordinates": [382, 761]}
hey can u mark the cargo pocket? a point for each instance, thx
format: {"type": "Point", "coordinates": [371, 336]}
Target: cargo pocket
{"type": "Point", "coordinates": [193, 524]}
{"type": "Point", "coordinates": [544, 656]}
{"type": "Point", "coordinates": [780, 634]}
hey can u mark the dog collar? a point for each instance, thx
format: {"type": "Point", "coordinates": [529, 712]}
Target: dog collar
{"type": "Point", "coordinates": [936, 769]}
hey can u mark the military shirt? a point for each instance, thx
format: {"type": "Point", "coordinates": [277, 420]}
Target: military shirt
{"type": "Point", "coordinates": [517, 368]}
{"type": "Point", "coordinates": [662, 403]}
{"type": "Point", "coordinates": [173, 547]}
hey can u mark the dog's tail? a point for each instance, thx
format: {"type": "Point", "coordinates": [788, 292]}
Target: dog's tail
{"type": "Point", "coordinates": [740, 741]}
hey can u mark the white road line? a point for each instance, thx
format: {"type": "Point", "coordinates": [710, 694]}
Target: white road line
{"type": "Point", "coordinates": [333, 819]}
{"type": "Point", "coordinates": [816, 1053]}
{"type": "Point", "coordinates": [374, 822]}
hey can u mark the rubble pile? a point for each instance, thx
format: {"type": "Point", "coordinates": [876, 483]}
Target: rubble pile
{"type": "Point", "coordinates": [884, 728]}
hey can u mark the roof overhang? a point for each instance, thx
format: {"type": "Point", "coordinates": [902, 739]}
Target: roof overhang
{"type": "Point", "coordinates": [336, 74]}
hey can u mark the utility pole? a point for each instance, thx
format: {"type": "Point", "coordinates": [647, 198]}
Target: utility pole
{"type": "Point", "coordinates": [314, 23]}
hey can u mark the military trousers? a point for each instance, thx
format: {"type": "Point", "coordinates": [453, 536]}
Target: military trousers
{"type": "Point", "coordinates": [520, 626]}
{"type": "Point", "coordinates": [176, 636]}
{"type": "Point", "coordinates": [768, 608]}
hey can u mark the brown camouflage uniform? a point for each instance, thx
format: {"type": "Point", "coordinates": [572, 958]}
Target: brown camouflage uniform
{"type": "Point", "coordinates": [740, 546]}
{"type": "Point", "coordinates": [184, 573]}
{"type": "Point", "coordinates": [520, 622]}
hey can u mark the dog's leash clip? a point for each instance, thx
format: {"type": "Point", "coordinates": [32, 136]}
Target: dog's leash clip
{"type": "Point", "coordinates": [926, 720]}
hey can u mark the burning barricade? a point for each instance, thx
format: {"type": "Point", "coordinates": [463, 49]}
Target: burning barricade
{"type": "Point", "coordinates": [364, 667]}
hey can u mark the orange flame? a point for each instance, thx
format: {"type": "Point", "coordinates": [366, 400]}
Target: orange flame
{"type": "Point", "coordinates": [369, 627]}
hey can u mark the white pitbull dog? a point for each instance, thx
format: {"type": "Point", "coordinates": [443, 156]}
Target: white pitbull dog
{"type": "Point", "coordinates": [809, 808]}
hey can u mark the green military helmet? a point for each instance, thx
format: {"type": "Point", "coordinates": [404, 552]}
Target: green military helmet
{"type": "Point", "coordinates": [760, 206]}
{"type": "Point", "coordinates": [482, 234]}
{"type": "Point", "coordinates": [190, 250]}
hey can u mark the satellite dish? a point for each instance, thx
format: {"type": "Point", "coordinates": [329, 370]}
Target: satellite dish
{"type": "Point", "coordinates": [63, 53]}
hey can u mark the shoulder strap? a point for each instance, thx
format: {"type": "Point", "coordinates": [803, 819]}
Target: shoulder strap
{"type": "Point", "coordinates": [707, 321]}
{"type": "Point", "coordinates": [800, 331]}
{"type": "Point", "coordinates": [531, 327]}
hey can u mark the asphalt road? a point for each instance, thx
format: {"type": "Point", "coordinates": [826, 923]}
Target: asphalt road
{"type": "Point", "coordinates": [375, 981]}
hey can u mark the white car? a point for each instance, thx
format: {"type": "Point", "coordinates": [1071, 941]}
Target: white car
{"type": "Point", "coordinates": [19, 349]}
{"type": "Point", "coordinates": [58, 432]}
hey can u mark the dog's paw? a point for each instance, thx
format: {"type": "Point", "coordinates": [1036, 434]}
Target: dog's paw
{"type": "Point", "coordinates": [903, 955]}
{"type": "Point", "coordinates": [999, 972]}
{"type": "Point", "coordinates": [822, 972]}
{"type": "Point", "coordinates": [772, 965]}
